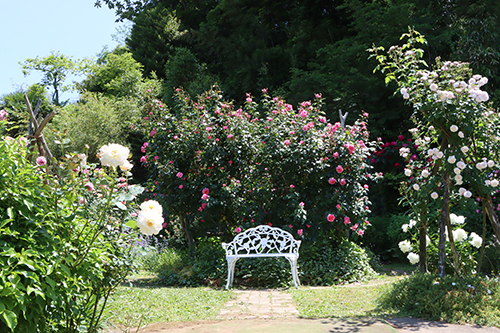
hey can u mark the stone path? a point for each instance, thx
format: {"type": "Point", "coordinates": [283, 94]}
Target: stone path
{"type": "Point", "coordinates": [253, 304]}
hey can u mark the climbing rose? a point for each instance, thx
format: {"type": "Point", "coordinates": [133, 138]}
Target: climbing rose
{"type": "Point", "coordinates": [330, 217]}
{"type": "Point", "coordinates": [205, 191]}
{"type": "Point", "coordinates": [153, 206]}
{"type": "Point", "coordinates": [149, 222]}
{"type": "Point", "coordinates": [405, 246]}
{"type": "Point", "coordinates": [237, 230]}
{"type": "Point", "coordinates": [339, 169]}
{"type": "Point", "coordinates": [413, 258]}
{"type": "Point", "coordinates": [3, 115]}
{"type": "Point", "coordinates": [332, 181]}
{"type": "Point", "coordinates": [300, 231]}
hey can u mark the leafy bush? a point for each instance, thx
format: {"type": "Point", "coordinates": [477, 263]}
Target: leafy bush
{"type": "Point", "coordinates": [472, 300]}
{"type": "Point", "coordinates": [327, 264]}
{"type": "Point", "coordinates": [95, 121]}
{"type": "Point", "coordinates": [64, 246]}
{"type": "Point", "coordinates": [324, 264]}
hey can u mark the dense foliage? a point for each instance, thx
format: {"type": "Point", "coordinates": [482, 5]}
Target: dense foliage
{"type": "Point", "coordinates": [64, 246]}
{"type": "Point", "coordinates": [473, 300]}
{"type": "Point", "coordinates": [216, 167]}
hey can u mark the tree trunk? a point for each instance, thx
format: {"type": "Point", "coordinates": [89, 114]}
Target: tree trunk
{"type": "Point", "coordinates": [423, 239]}
{"type": "Point", "coordinates": [187, 233]}
{"type": "Point", "coordinates": [442, 227]}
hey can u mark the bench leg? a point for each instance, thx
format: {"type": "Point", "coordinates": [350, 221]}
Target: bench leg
{"type": "Point", "coordinates": [231, 263]}
{"type": "Point", "coordinates": [295, 274]}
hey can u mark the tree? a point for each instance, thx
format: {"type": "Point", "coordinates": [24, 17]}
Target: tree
{"type": "Point", "coordinates": [54, 69]}
{"type": "Point", "coordinates": [115, 73]}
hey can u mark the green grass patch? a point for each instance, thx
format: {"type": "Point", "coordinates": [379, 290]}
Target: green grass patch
{"type": "Point", "coordinates": [146, 303]}
{"type": "Point", "coordinates": [350, 300]}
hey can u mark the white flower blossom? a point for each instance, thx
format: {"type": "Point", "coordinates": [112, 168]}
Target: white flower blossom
{"type": "Point", "coordinates": [113, 155]}
{"type": "Point", "coordinates": [452, 159]}
{"type": "Point", "coordinates": [413, 258]}
{"type": "Point", "coordinates": [491, 163]}
{"type": "Point", "coordinates": [476, 240]}
{"type": "Point", "coordinates": [461, 191]}
{"type": "Point", "coordinates": [458, 178]}
{"type": "Point", "coordinates": [434, 195]}
{"type": "Point", "coordinates": [405, 246]}
{"type": "Point", "coordinates": [459, 235]}
{"type": "Point", "coordinates": [416, 187]}
{"type": "Point", "coordinates": [149, 222]}
{"type": "Point", "coordinates": [494, 183]}
{"type": "Point", "coordinates": [461, 165]}
{"type": "Point", "coordinates": [405, 227]}
{"type": "Point", "coordinates": [408, 172]}
{"type": "Point", "coordinates": [468, 194]}
{"type": "Point", "coordinates": [412, 223]}
{"type": "Point", "coordinates": [461, 134]}
{"type": "Point", "coordinates": [454, 219]}
{"type": "Point", "coordinates": [457, 171]}
{"type": "Point", "coordinates": [152, 206]}
{"type": "Point", "coordinates": [453, 128]}
{"type": "Point", "coordinates": [464, 149]}
{"type": "Point", "coordinates": [433, 87]}
{"type": "Point", "coordinates": [481, 165]}
{"type": "Point", "coordinates": [439, 154]}
{"type": "Point", "coordinates": [425, 173]}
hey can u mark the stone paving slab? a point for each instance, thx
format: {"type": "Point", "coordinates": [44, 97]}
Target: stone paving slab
{"type": "Point", "coordinates": [253, 304]}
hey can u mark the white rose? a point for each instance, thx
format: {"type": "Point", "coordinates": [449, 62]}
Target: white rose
{"type": "Point", "coordinates": [406, 96]}
{"type": "Point", "coordinates": [491, 163]}
{"type": "Point", "coordinates": [433, 87]}
{"type": "Point", "coordinates": [461, 134]}
{"type": "Point", "coordinates": [403, 91]}
{"type": "Point", "coordinates": [413, 258]}
{"type": "Point", "coordinates": [405, 227]}
{"type": "Point", "coordinates": [476, 240]}
{"type": "Point", "coordinates": [113, 155]}
{"type": "Point", "coordinates": [412, 223]}
{"type": "Point", "coordinates": [405, 246]}
{"type": "Point", "coordinates": [416, 187]}
{"type": "Point", "coordinates": [459, 235]}
{"type": "Point", "coordinates": [454, 219]}
{"type": "Point", "coordinates": [468, 194]}
{"type": "Point", "coordinates": [439, 154]}
{"type": "Point", "coordinates": [408, 172]}
{"type": "Point", "coordinates": [457, 171]}
{"type": "Point", "coordinates": [453, 128]}
{"type": "Point", "coordinates": [425, 173]}
{"type": "Point", "coordinates": [494, 183]}
{"type": "Point", "coordinates": [152, 206]}
{"type": "Point", "coordinates": [461, 191]}
{"type": "Point", "coordinates": [464, 149]}
{"type": "Point", "coordinates": [434, 195]}
{"type": "Point", "coordinates": [149, 222]}
{"type": "Point", "coordinates": [458, 178]}
{"type": "Point", "coordinates": [452, 159]}
{"type": "Point", "coordinates": [461, 165]}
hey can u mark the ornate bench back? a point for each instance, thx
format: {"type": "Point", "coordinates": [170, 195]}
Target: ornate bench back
{"type": "Point", "coordinates": [262, 240]}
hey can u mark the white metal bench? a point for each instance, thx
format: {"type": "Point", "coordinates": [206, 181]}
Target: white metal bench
{"type": "Point", "coordinates": [262, 241]}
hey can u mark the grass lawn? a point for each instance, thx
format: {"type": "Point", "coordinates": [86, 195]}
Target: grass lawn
{"type": "Point", "coordinates": [351, 300]}
{"type": "Point", "coordinates": [142, 302]}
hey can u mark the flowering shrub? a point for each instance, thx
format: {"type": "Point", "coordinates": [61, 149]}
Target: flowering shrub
{"type": "Point", "coordinates": [455, 133]}
{"type": "Point", "coordinates": [64, 241]}
{"type": "Point", "coordinates": [219, 168]}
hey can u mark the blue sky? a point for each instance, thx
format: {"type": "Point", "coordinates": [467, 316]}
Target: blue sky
{"type": "Point", "coordinates": [31, 28]}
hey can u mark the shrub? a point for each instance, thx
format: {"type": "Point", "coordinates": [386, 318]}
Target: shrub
{"type": "Point", "coordinates": [472, 300]}
{"type": "Point", "coordinates": [323, 264]}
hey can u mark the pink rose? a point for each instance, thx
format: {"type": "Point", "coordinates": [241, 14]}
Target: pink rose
{"type": "Point", "coordinates": [339, 169]}
{"type": "Point", "coordinates": [205, 191]}
{"type": "Point", "coordinates": [332, 181]}
{"type": "Point", "coordinates": [41, 160]}
{"type": "Point", "coordinates": [153, 132]}
{"type": "Point", "coordinates": [204, 196]}
{"type": "Point", "coordinates": [237, 230]}
{"type": "Point", "coordinates": [90, 186]}
{"type": "Point", "coordinates": [338, 206]}
{"type": "Point", "coordinates": [179, 175]}
{"type": "Point", "coordinates": [347, 220]}
{"type": "Point", "coordinates": [3, 115]}
{"type": "Point", "coordinates": [361, 232]}
{"type": "Point", "coordinates": [287, 142]}
{"type": "Point", "coordinates": [300, 231]}
{"type": "Point", "coordinates": [336, 155]}
{"type": "Point", "coordinates": [203, 205]}
{"type": "Point", "coordinates": [354, 227]}
{"type": "Point", "coordinates": [181, 186]}
{"type": "Point", "coordinates": [301, 204]}
{"type": "Point", "coordinates": [343, 182]}
{"type": "Point", "coordinates": [292, 186]}
{"type": "Point", "coordinates": [330, 217]}
{"type": "Point", "coordinates": [143, 159]}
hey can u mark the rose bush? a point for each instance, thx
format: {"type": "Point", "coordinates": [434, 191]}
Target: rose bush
{"type": "Point", "coordinates": [64, 243]}
{"type": "Point", "coordinates": [216, 167]}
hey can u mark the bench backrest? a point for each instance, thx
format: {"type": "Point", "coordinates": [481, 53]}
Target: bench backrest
{"type": "Point", "coordinates": [262, 240]}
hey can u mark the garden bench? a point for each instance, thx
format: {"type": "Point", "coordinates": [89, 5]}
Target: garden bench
{"type": "Point", "coordinates": [259, 242]}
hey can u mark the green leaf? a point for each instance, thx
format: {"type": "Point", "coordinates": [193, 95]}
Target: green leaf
{"type": "Point", "coordinates": [9, 318]}
{"type": "Point", "coordinates": [131, 223]}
